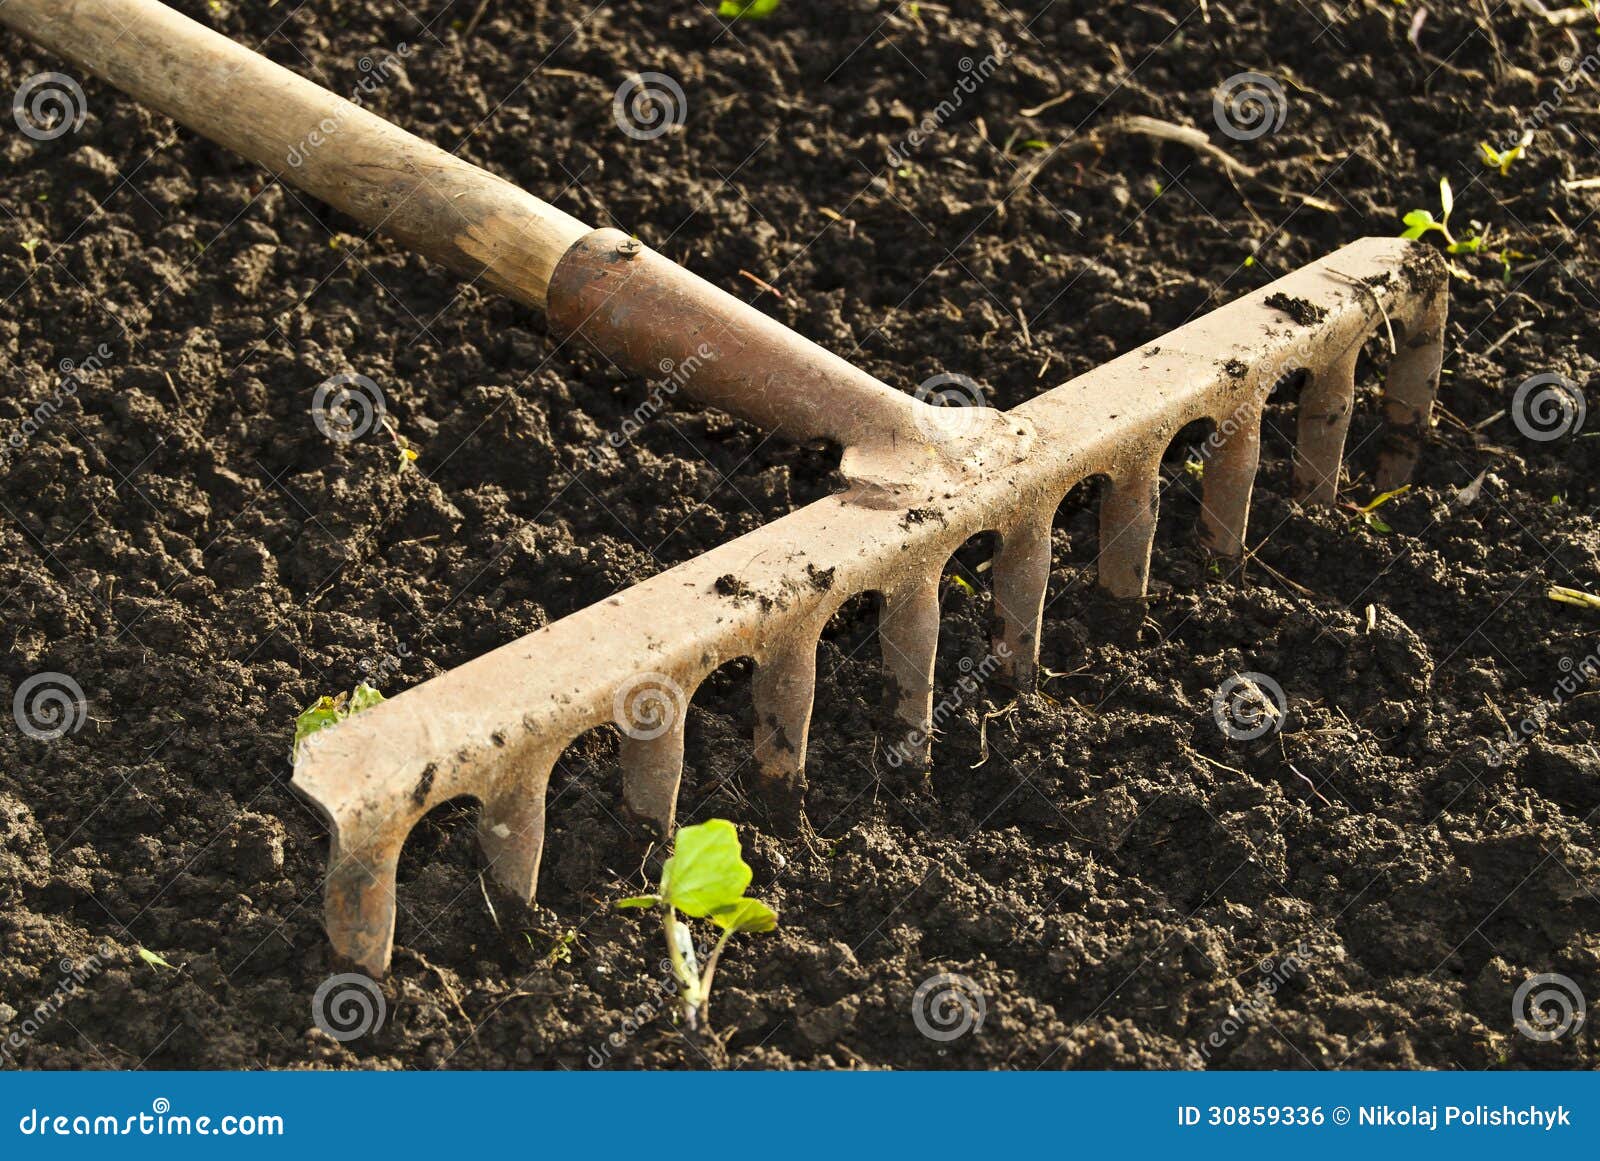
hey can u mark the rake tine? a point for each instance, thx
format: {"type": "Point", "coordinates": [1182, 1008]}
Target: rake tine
{"type": "Point", "coordinates": [783, 690]}
{"type": "Point", "coordinates": [909, 631]}
{"type": "Point", "coordinates": [1128, 529]}
{"type": "Point", "coordinates": [511, 824]}
{"type": "Point", "coordinates": [1408, 393]}
{"type": "Point", "coordinates": [1021, 573]}
{"type": "Point", "coordinates": [1230, 477]}
{"type": "Point", "coordinates": [360, 891]}
{"type": "Point", "coordinates": [652, 768]}
{"type": "Point", "coordinates": [1326, 403]}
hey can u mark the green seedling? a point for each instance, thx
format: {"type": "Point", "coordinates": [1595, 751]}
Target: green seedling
{"type": "Point", "coordinates": [1502, 159]}
{"type": "Point", "coordinates": [1368, 513]}
{"type": "Point", "coordinates": [705, 878]}
{"type": "Point", "coordinates": [154, 960]}
{"type": "Point", "coordinates": [747, 9]}
{"type": "Point", "coordinates": [330, 711]}
{"type": "Point", "coordinates": [1422, 222]}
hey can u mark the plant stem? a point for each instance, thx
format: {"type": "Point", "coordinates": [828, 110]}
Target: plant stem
{"type": "Point", "coordinates": [691, 985]}
{"type": "Point", "coordinates": [706, 977]}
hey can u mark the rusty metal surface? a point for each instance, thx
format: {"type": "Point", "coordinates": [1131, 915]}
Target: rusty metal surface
{"type": "Point", "coordinates": [492, 729]}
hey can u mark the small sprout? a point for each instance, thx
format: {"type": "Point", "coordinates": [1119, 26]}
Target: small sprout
{"type": "Point", "coordinates": [1422, 222]}
{"type": "Point", "coordinates": [1577, 597]}
{"type": "Point", "coordinates": [1194, 466]}
{"type": "Point", "coordinates": [1036, 144]}
{"type": "Point", "coordinates": [561, 950]}
{"type": "Point", "coordinates": [747, 9]}
{"type": "Point", "coordinates": [402, 445]}
{"type": "Point", "coordinates": [31, 247]}
{"type": "Point", "coordinates": [1502, 159]}
{"type": "Point", "coordinates": [330, 711]}
{"type": "Point", "coordinates": [1368, 513]}
{"type": "Point", "coordinates": [705, 878]}
{"type": "Point", "coordinates": [1249, 261]}
{"type": "Point", "coordinates": [963, 584]}
{"type": "Point", "coordinates": [154, 960]}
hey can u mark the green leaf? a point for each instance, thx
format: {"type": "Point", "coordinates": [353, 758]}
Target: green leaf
{"type": "Point", "coordinates": [364, 697]}
{"type": "Point", "coordinates": [705, 871]}
{"type": "Point", "coordinates": [747, 9]}
{"type": "Point", "coordinates": [322, 713]}
{"type": "Point", "coordinates": [745, 915]}
{"type": "Point", "coordinates": [330, 711]}
{"type": "Point", "coordinates": [1418, 223]}
{"type": "Point", "coordinates": [639, 901]}
{"type": "Point", "coordinates": [154, 960]}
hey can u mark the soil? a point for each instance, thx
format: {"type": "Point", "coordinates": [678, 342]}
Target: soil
{"type": "Point", "coordinates": [1364, 886]}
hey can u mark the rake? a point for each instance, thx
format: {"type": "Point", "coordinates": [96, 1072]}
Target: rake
{"type": "Point", "coordinates": [921, 478]}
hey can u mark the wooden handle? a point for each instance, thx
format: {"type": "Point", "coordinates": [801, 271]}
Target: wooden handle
{"type": "Point", "coordinates": [475, 223]}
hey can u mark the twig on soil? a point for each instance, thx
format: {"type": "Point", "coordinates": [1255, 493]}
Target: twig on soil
{"type": "Point", "coordinates": [1577, 597]}
{"type": "Point", "coordinates": [1311, 785]}
{"type": "Point", "coordinates": [486, 902]}
{"type": "Point", "coordinates": [1582, 183]}
{"type": "Point", "coordinates": [1501, 341]}
{"type": "Point", "coordinates": [472, 25]}
{"type": "Point", "coordinates": [444, 982]}
{"type": "Point", "coordinates": [1187, 136]}
{"type": "Point", "coordinates": [764, 285]}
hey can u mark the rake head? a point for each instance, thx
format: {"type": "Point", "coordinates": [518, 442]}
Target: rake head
{"type": "Point", "coordinates": [923, 480]}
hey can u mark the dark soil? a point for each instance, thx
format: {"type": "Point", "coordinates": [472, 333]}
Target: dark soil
{"type": "Point", "coordinates": [1112, 870]}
